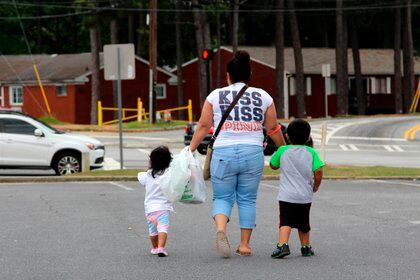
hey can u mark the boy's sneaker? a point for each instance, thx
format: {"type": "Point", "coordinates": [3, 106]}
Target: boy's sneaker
{"type": "Point", "coordinates": [307, 251]}
{"type": "Point", "coordinates": [161, 252]}
{"type": "Point", "coordinates": [281, 251]}
{"type": "Point", "coordinates": [154, 251]}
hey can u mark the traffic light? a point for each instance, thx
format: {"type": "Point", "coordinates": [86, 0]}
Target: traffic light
{"type": "Point", "coordinates": [207, 54]}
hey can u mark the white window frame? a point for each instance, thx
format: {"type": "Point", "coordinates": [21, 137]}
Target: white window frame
{"type": "Point", "coordinates": [2, 97]}
{"type": "Point", "coordinates": [164, 91]}
{"type": "Point", "coordinates": [388, 85]}
{"type": "Point", "coordinates": [292, 83]}
{"type": "Point", "coordinates": [11, 97]}
{"type": "Point", "coordinates": [333, 86]}
{"type": "Point", "coordinates": [308, 86]}
{"type": "Point", "coordinates": [56, 90]}
{"type": "Point", "coordinates": [373, 85]}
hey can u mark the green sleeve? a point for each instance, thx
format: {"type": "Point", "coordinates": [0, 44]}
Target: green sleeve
{"type": "Point", "coordinates": [316, 161]}
{"type": "Point", "coordinates": [275, 159]}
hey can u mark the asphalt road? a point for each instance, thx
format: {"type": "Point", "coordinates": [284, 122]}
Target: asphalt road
{"type": "Point", "coordinates": [361, 230]}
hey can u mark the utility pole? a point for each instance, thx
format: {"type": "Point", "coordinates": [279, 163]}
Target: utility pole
{"type": "Point", "coordinates": [153, 60]}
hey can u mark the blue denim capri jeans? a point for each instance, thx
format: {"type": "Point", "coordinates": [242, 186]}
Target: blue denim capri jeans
{"type": "Point", "coordinates": [235, 175]}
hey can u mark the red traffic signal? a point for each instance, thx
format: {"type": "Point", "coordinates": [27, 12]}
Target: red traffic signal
{"type": "Point", "coordinates": [207, 54]}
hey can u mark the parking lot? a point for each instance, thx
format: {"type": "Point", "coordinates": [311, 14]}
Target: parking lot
{"type": "Point", "coordinates": [361, 230]}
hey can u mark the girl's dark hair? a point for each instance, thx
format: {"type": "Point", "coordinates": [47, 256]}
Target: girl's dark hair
{"type": "Point", "coordinates": [160, 158]}
{"type": "Point", "coordinates": [239, 68]}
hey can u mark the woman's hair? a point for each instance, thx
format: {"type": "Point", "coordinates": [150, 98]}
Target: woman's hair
{"type": "Point", "coordinates": [160, 158]}
{"type": "Point", "coordinates": [239, 68]}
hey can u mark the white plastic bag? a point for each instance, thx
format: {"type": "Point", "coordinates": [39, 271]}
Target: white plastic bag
{"type": "Point", "coordinates": [195, 191]}
{"type": "Point", "coordinates": [176, 177]}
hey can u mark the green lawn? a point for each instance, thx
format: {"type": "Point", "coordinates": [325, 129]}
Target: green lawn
{"type": "Point", "coordinates": [329, 171]}
{"type": "Point", "coordinates": [158, 125]}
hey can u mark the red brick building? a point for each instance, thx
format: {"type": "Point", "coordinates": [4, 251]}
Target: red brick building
{"type": "Point", "coordinates": [67, 84]}
{"type": "Point", "coordinates": [377, 70]}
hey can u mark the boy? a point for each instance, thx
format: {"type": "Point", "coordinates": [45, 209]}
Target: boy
{"type": "Point", "coordinates": [300, 177]}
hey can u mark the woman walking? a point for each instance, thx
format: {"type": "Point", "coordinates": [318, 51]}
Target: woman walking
{"type": "Point", "coordinates": [238, 159]}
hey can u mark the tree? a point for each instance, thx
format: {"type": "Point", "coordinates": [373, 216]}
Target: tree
{"type": "Point", "coordinates": [397, 61]}
{"type": "Point", "coordinates": [341, 61]}
{"type": "Point", "coordinates": [235, 25]}
{"type": "Point", "coordinates": [361, 97]}
{"type": "Point", "coordinates": [201, 34]}
{"type": "Point", "coordinates": [113, 30]}
{"type": "Point", "coordinates": [279, 43]}
{"type": "Point", "coordinates": [180, 80]}
{"type": "Point", "coordinates": [94, 47]}
{"type": "Point", "coordinates": [297, 50]}
{"type": "Point", "coordinates": [408, 57]}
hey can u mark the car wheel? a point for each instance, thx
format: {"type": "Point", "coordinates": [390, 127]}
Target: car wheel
{"type": "Point", "coordinates": [67, 164]}
{"type": "Point", "coordinates": [202, 150]}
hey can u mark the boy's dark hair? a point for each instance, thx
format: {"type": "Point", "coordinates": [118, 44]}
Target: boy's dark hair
{"type": "Point", "coordinates": [298, 131]}
{"type": "Point", "coordinates": [239, 68]}
{"type": "Point", "coordinates": [160, 158]}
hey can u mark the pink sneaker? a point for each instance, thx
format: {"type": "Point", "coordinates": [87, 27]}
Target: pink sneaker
{"type": "Point", "coordinates": [154, 251]}
{"type": "Point", "coordinates": [161, 252]}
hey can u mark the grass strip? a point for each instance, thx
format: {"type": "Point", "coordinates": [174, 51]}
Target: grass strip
{"type": "Point", "coordinates": [329, 171]}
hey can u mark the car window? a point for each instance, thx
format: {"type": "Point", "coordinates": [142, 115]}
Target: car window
{"type": "Point", "coordinates": [15, 126]}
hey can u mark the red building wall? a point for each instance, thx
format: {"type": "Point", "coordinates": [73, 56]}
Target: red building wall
{"type": "Point", "coordinates": [131, 90]}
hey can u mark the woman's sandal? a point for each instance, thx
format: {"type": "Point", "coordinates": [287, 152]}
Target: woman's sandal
{"type": "Point", "coordinates": [242, 254]}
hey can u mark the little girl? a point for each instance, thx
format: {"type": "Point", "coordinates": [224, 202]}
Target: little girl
{"type": "Point", "coordinates": [156, 206]}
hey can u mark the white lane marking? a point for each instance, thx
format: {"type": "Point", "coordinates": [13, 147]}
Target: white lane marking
{"type": "Point", "coordinates": [368, 138]}
{"type": "Point", "coordinates": [111, 164]}
{"type": "Point", "coordinates": [343, 147]}
{"type": "Point", "coordinates": [121, 186]}
{"type": "Point", "coordinates": [269, 186]}
{"type": "Point", "coordinates": [137, 138]}
{"type": "Point", "coordinates": [388, 148]}
{"type": "Point", "coordinates": [415, 222]}
{"type": "Point", "coordinates": [396, 183]}
{"type": "Point", "coordinates": [398, 148]}
{"type": "Point", "coordinates": [353, 147]}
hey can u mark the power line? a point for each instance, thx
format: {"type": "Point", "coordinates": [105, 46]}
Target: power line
{"type": "Point", "coordinates": [209, 9]}
{"type": "Point", "coordinates": [50, 16]}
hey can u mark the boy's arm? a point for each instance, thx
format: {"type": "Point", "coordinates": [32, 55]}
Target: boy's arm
{"type": "Point", "coordinates": [273, 167]}
{"type": "Point", "coordinates": [317, 179]}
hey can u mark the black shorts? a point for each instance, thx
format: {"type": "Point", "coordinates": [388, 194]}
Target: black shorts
{"type": "Point", "coordinates": [295, 215]}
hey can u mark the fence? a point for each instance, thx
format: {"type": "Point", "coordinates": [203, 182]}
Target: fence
{"type": "Point", "coordinates": [140, 112]}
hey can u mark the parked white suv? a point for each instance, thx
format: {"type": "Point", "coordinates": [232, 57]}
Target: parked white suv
{"type": "Point", "coordinates": [27, 143]}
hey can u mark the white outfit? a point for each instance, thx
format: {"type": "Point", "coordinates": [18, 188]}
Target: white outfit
{"type": "Point", "coordinates": [245, 122]}
{"type": "Point", "coordinates": [154, 200]}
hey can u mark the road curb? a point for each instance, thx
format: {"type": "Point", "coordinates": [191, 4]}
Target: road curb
{"type": "Point", "coordinates": [63, 179]}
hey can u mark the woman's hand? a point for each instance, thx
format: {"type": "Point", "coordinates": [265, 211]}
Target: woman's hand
{"type": "Point", "coordinates": [271, 124]}
{"type": "Point", "coordinates": [203, 126]}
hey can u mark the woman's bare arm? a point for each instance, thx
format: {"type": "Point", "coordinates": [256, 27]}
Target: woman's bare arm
{"type": "Point", "coordinates": [203, 126]}
{"type": "Point", "coordinates": [271, 124]}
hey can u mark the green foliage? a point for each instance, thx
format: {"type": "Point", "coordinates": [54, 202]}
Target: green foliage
{"type": "Point", "coordinates": [70, 34]}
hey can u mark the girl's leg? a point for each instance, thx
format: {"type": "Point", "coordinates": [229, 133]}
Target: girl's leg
{"type": "Point", "coordinates": [162, 236]}
{"type": "Point", "coordinates": [154, 240]}
{"type": "Point", "coordinates": [162, 228]}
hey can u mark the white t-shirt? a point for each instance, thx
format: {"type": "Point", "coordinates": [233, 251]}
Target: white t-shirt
{"type": "Point", "coordinates": [154, 200]}
{"type": "Point", "coordinates": [245, 122]}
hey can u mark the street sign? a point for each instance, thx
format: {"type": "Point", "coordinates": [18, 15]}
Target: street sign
{"type": "Point", "coordinates": [326, 70]}
{"type": "Point", "coordinates": [127, 62]}
{"type": "Point", "coordinates": [119, 64]}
